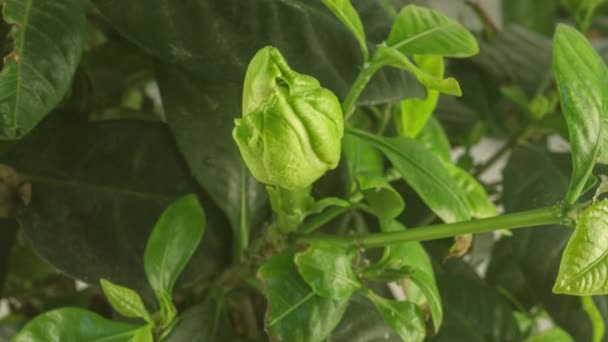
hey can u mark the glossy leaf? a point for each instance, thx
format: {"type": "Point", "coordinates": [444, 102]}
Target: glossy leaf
{"type": "Point", "coordinates": [72, 324]}
{"type": "Point", "coordinates": [207, 120]}
{"type": "Point", "coordinates": [367, 167]}
{"type": "Point", "coordinates": [584, 267]}
{"type": "Point", "coordinates": [125, 301]}
{"type": "Point", "coordinates": [423, 172]}
{"type": "Point", "coordinates": [292, 303]}
{"type": "Point", "coordinates": [478, 202]}
{"type": "Point", "coordinates": [423, 31]}
{"type": "Point", "coordinates": [582, 79]}
{"type": "Point", "coordinates": [408, 260]}
{"type": "Point", "coordinates": [172, 243]}
{"type": "Point", "coordinates": [416, 112]}
{"type": "Point", "coordinates": [302, 30]}
{"type": "Point", "coordinates": [99, 189]}
{"type": "Point", "coordinates": [348, 15]}
{"type": "Point", "coordinates": [48, 39]}
{"type": "Point", "coordinates": [404, 317]}
{"type": "Point", "coordinates": [207, 321]}
{"type": "Point", "coordinates": [327, 269]}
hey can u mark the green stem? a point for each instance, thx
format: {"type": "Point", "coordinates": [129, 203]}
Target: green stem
{"type": "Point", "coordinates": [243, 238]}
{"type": "Point", "coordinates": [365, 75]}
{"type": "Point", "coordinates": [539, 217]}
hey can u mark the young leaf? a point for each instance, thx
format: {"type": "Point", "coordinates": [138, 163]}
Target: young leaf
{"type": "Point", "coordinates": [173, 241]}
{"type": "Point", "coordinates": [416, 112]}
{"type": "Point", "coordinates": [48, 39]}
{"type": "Point", "coordinates": [423, 172]}
{"type": "Point", "coordinates": [367, 167]}
{"type": "Point", "coordinates": [391, 56]}
{"type": "Point", "coordinates": [408, 260]}
{"type": "Point", "coordinates": [327, 269]}
{"type": "Point", "coordinates": [295, 313]}
{"type": "Point", "coordinates": [72, 324]}
{"type": "Point", "coordinates": [347, 14]}
{"type": "Point", "coordinates": [422, 31]}
{"type": "Point", "coordinates": [125, 301]}
{"type": "Point", "coordinates": [582, 79]}
{"type": "Point", "coordinates": [404, 317]}
{"type": "Point", "coordinates": [551, 335]}
{"type": "Point", "coordinates": [584, 267]}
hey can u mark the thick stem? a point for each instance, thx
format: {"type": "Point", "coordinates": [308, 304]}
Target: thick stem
{"type": "Point", "coordinates": [539, 217]}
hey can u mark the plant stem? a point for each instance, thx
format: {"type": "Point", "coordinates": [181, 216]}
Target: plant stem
{"type": "Point", "coordinates": [538, 217]}
{"type": "Point", "coordinates": [365, 75]}
{"type": "Point", "coordinates": [243, 238]}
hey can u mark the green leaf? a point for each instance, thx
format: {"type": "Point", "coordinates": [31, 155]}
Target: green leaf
{"type": "Point", "coordinates": [422, 31]}
{"type": "Point", "coordinates": [363, 323]}
{"type": "Point", "coordinates": [295, 313]}
{"type": "Point", "coordinates": [474, 311]}
{"type": "Point", "coordinates": [423, 172]}
{"type": "Point", "coordinates": [48, 39]}
{"type": "Point", "coordinates": [408, 260]}
{"type": "Point", "coordinates": [207, 321]}
{"type": "Point", "coordinates": [416, 112]}
{"type": "Point", "coordinates": [348, 15]}
{"type": "Point", "coordinates": [172, 243]}
{"type": "Point", "coordinates": [367, 167]}
{"type": "Point", "coordinates": [551, 335]}
{"type": "Point", "coordinates": [478, 202]}
{"type": "Point", "coordinates": [584, 267]}
{"type": "Point", "coordinates": [102, 207]}
{"type": "Point", "coordinates": [582, 10]}
{"type": "Point", "coordinates": [302, 30]}
{"type": "Point", "coordinates": [538, 16]}
{"type": "Point", "coordinates": [125, 301]}
{"type": "Point", "coordinates": [435, 139]}
{"type": "Point", "coordinates": [582, 79]}
{"type": "Point", "coordinates": [72, 324]}
{"type": "Point", "coordinates": [390, 56]}
{"type": "Point", "coordinates": [404, 317]}
{"type": "Point", "coordinates": [327, 269]}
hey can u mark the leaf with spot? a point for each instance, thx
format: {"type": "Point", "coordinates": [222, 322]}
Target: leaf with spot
{"type": "Point", "coordinates": [49, 39]}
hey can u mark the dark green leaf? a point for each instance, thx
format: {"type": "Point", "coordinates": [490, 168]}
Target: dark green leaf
{"type": "Point", "coordinates": [423, 172]}
{"type": "Point", "coordinates": [538, 16]}
{"type": "Point", "coordinates": [584, 266]}
{"type": "Point", "coordinates": [48, 38]}
{"type": "Point", "coordinates": [422, 31]}
{"type": "Point", "coordinates": [474, 312]}
{"type": "Point", "coordinates": [203, 322]}
{"type": "Point", "coordinates": [404, 317]}
{"type": "Point", "coordinates": [363, 323]}
{"type": "Point", "coordinates": [71, 324]}
{"type": "Point", "coordinates": [582, 79]}
{"type": "Point", "coordinates": [408, 260]}
{"type": "Point", "coordinates": [348, 15]}
{"type": "Point", "coordinates": [98, 189]}
{"type": "Point", "coordinates": [125, 301]}
{"type": "Point", "coordinates": [327, 269]}
{"type": "Point", "coordinates": [170, 246]}
{"type": "Point", "coordinates": [295, 313]}
{"type": "Point", "coordinates": [303, 30]}
{"type": "Point", "coordinates": [201, 116]}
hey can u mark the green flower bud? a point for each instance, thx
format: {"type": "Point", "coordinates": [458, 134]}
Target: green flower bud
{"type": "Point", "coordinates": [292, 128]}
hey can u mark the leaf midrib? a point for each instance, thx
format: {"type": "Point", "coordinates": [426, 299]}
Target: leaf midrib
{"type": "Point", "coordinates": [20, 53]}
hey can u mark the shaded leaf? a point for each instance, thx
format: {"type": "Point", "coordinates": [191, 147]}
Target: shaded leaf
{"type": "Point", "coordinates": [207, 321]}
{"type": "Point", "coordinates": [292, 303]}
{"type": "Point", "coordinates": [538, 16]}
{"type": "Point", "coordinates": [404, 317]}
{"type": "Point", "coordinates": [363, 323]}
{"type": "Point", "coordinates": [49, 39]}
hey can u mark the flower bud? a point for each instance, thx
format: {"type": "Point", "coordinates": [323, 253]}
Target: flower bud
{"type": "Point", "coordinates": [292, 128]}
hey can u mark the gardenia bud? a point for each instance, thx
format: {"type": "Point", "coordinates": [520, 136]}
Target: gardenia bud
{"type": "Point", "coordinates": [292, 128]}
